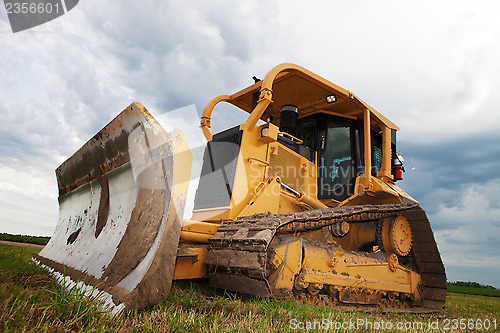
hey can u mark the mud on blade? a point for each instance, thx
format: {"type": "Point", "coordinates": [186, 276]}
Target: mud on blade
{"type": "Point", "coordinates": [121, 203]}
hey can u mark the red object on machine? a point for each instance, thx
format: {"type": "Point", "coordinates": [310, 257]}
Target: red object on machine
{"type": "Point", "coordinates": [398, 168]}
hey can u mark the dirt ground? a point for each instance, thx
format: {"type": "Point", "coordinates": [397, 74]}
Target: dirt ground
{"type": "Point", "coordinates": [23, 244]}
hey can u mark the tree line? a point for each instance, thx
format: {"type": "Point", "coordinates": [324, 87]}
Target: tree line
{"type": "Point", "coordinates": [470, 284]}
{"type": "Point", "coordinates": [40, 240]}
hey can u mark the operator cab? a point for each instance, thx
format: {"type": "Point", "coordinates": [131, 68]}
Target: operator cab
{"type": "Point", "coordinates": [336, 145]}
{"type": "Point", "coordinates": [334, 140]}
{"type": "Point", "coordinates": [330, 142]}
{"type": "Point", "coordinates": [325, 124]}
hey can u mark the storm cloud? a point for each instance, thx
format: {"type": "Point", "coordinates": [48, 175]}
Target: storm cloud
{"type": "Point", "coordinates": [431, 67]}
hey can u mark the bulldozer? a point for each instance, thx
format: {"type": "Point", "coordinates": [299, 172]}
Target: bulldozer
{"type": "Point", "coordinates": [300, 201]}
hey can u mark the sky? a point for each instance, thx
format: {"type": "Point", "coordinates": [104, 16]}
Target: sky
{"type": "Point", "coordinates": [429, 66]}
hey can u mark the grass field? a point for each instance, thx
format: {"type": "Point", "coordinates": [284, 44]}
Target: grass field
{"type": "Point", "coordinates": [474, 291]}
{"type": "Point", "coordinates": [30, 301]}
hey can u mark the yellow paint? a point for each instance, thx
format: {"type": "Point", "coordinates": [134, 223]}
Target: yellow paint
{"type": "Point", "coordinates": [191, 267]}
{"type": "Point", "coordinates": [266, 168]}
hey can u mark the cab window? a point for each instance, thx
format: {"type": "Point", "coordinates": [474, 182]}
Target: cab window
{"type": "Point", "coordinates": [307, 130]}
{"type": "Point", "coordinates": [335, 164]}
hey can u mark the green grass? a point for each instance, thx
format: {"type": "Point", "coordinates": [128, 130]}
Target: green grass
{"type": "Point", "coordinates": [30, 301]}
{"type": "Point", "coordinates": [474, 291]}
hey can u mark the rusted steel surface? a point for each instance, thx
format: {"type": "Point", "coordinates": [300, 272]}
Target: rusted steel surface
{"type": "Point", "coordinates": [120, 211]}
{"type": "Point", "coordinates": [239, 255]}
{"type": "Point", "coordinates": [105, 151]}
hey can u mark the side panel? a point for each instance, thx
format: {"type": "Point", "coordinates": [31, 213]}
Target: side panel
{"type": "Point", "coordinates": [218, 170]}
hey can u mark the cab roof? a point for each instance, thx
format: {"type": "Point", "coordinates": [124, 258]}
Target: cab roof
{"type": "Point", "coordinates": [292, 84]}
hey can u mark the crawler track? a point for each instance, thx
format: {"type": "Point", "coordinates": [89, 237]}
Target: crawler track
{"type": "Point", "coordinates": [239, 256]}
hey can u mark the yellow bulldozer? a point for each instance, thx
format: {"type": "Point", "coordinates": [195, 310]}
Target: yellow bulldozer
{"type": "Point", "coordinates": [300, 201]}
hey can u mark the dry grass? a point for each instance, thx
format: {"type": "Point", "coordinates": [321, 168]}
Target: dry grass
{"type": "Point", "coordinates": [30, 301]}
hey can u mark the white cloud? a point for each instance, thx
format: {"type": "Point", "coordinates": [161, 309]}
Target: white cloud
{"type": "Point", "coordinates": [31, 183]}
{"type": "Point", "coordinates": [28, 201]}
{"type": "Point", "coordinates": [431, 67]}
{"type": "Point", "coordinates": [467, 232]}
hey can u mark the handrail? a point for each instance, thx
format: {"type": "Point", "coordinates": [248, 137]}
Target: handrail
{"type": "Point", "coordinates": [207, 113]}
{"type": "Point", "coordinates": [250, 159]}
{"type": "Point", "coordinates": [292, 137]}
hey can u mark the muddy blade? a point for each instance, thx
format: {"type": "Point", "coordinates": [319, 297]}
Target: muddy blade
{"type": "Point", "coordinates": [121, 203]}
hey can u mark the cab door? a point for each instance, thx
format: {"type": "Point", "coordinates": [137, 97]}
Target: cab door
{"type": "Point", "coordinates": [336, 158]}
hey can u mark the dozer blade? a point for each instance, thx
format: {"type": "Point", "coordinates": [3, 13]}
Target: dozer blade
{"type": "Point", "coordinates": [121, 204]}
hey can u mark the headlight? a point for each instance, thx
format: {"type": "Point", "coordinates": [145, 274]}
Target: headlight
{"type": "Point", "coordinates": [331, 99]}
